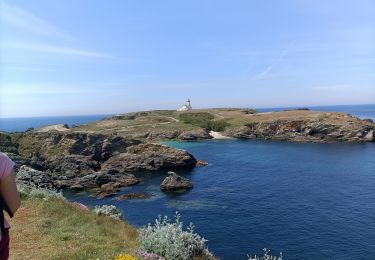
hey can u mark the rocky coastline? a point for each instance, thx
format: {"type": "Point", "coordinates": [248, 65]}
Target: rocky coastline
{"type": "Point", "coordinates": [84, 161]}
{"type": "Point", "coordinates": [104, 161]}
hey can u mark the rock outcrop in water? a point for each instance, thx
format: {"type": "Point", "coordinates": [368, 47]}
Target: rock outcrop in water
{"type": "Point", "coordinates": [175, 182]}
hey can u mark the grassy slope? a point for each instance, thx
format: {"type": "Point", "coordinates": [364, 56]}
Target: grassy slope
{"type": "Point", "coordinates": [55, 229]}
{"type": "Point", "coordinates": [155, 121]}
{"type": "Point", "coordinates": [159, 121]}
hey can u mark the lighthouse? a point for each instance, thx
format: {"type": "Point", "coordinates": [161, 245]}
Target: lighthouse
{"type": "Point", "coordinates": [185, 107]}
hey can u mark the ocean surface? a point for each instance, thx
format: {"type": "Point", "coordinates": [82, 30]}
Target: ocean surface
{"type": "Point", "coordinates": [308, 201]}
{"type": "Point", "coordinates": [22, 124]}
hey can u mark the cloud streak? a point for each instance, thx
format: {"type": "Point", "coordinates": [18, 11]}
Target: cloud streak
{"type": "Point", "coordinates": [19, 18]}
{"type": "Point", "coordinates": [14, 17]}
{"type": "Point", "coordinates": [268, 69]}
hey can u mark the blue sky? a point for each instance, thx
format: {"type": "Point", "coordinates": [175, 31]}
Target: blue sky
{"type": "Point", "coordinates": [101, 57]}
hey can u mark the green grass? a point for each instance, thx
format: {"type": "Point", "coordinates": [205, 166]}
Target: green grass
{"type": "Point", "coordinates": [197, 118]}
{"type": "Point", "coordinates": [55, 229]}
{"type": "Point", "coordinates": [204, 120]}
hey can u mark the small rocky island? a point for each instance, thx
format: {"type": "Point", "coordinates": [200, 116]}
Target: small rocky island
{"type": "Point", "coordinates": [175, 182]}
{"type": "Point", "coordinates": [108, 154]}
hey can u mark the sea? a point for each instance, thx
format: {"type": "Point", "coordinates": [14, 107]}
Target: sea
{"type": "Point", "coordinates": [308, 201]}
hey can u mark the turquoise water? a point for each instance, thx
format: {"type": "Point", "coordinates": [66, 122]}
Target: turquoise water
{"type": "Point", "coordinates": [310, 201]}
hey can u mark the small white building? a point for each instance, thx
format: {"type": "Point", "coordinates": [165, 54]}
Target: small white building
{"type": "Point", "coordinates": [185, 107]}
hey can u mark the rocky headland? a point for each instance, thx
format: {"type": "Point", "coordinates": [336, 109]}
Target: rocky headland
{"type": "Point", "coordinates": [88, 161]}
{"type": "Point", "coordinates": [107, 155]}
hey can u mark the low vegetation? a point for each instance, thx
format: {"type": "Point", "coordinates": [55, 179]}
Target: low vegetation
{"type": "Point", "coordinates": [108, 210]}
{"type": "Point", "coordinates": [249, 111]}
{"type": "Point", "coordinates": [204, 120]}
{"type": "Point", "coordinates": [266, 256]}
{"type": "Point", "coordinates": [198, 118]}
{"type": "Point", "coordinates": [169, 240]}
{"type": "Point", "coordinates": [7, 145]}
{"type": "Point", "coordinates": [49, 227]}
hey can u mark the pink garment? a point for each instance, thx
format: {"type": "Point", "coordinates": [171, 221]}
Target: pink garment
{"type": "Point", "coordinates": [6, 167]}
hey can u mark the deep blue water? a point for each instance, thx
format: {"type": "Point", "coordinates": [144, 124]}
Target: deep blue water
{"type": "Point", "coordinates": [361, 111]}
{"type": "Point", "coordinates": [22, 124]}
{"type": "Point", "coordinates": [310, 201]}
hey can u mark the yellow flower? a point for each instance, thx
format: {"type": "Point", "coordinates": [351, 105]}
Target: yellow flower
{"type": "Point", "coordinates": [125, 257]}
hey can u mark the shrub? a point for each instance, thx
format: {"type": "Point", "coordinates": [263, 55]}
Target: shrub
{"type": "Point", "coordinates": [249, 111]}
{"type": "Point", "coordinates": [169, 240]}
{"type": "Point", "coordinates": [218, 125]}
{"type": "Point", "coordinates": [266, 256]}
{"type": "Point", "coordinates": [198, 119]}
{"type": "Point", "coordinates": [7, 145]}
{"type": "Point", "coordinates": [204, 120]}
{"type": "Point", "coordinates": [108, 210]}
{"type": "Point", "coordinates": [149, 256]}
{"type": "Point", "coordinates": [26, 191]}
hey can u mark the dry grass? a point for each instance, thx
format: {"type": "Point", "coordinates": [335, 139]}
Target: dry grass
{"type": "Point", "coordinates": [55, 229]}
{"type": "Point", "coordinates": [168, 120]}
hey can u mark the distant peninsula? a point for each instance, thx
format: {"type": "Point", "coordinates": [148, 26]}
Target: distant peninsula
{"type": "Point", "coordinates": [300, 125]}
{"type": "Point", "coordinates": [106, 155]}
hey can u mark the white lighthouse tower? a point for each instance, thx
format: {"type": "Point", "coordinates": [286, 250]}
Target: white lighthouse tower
{"type": "Point", "coordinates": [185, 107]}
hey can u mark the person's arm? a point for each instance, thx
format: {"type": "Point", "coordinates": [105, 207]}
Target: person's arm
{"type": "Point", "coordinates": [8, 189]}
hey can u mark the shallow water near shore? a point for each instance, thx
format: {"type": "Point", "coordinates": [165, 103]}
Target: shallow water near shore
{"type": "Point", "coordinates": [310, 201]}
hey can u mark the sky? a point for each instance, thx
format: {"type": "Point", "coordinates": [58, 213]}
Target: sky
{"type": "Point", "coordinates": [106, 57]}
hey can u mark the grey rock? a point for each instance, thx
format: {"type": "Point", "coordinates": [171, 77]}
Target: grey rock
{"type": "Point", "coordinates": [31, 177]}
{"type": "Point", "coordinates": [194, 135]}
{"type": "Point", "coordinates": [150, 157]}
{"type": "Point", "coordinates": [175, 182]}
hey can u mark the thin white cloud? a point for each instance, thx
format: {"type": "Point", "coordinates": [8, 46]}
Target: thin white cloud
{"type": "Point", "coordinates": [61, 50]}
{"type": "Point", "coordinates": [16, 17]}
{"type": "Point", "coordinates": [267, 70]}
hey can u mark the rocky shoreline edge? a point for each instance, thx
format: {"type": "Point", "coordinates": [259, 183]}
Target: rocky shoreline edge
{"type": "Point", "coordinates": [79, 159]}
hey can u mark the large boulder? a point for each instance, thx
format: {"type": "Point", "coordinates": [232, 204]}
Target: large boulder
{"type": "Point", "coordinates": [175, 182]}
{"type": "Point", "coordinates": [150, 157]}
{"type": "Point", "coordinates": [31, 177]}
